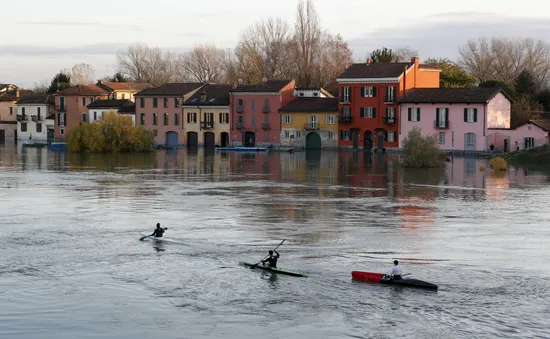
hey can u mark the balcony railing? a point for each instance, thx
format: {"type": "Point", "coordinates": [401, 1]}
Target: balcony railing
{"type": "Point", "coordinates": [265, 109]}
{"type": "Point", "coordinates": [266, 126]}
{"type": "Point", "coordinates": [389, 99]}
{"type": "Point", "coordinates": [345, 119]}
{"type": "Point", "coordinates": [389, 120]}
{"type": "Point", "coordinates": [240, 108]}
{"type": "Point", "coordinates": [207, 124]}
{"type": "Point", "coordinates": [311, 126]}
{"type": "Point", "coordinates": [239, 125]}
{"type": "Point", "coordinates": [36, 118]}
{"type": "Point", "coordinates": [441, 124]}
{"type": "Point", "coordinates": [22, 117]}
{"type": "Point", "coordinates": [345, 99]}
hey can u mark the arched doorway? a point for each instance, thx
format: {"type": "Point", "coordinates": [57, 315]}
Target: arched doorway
{"type": "Point", "coordinates": [249, 139]}
{"type": "Point", "coordinates": [224, 136]}
{"type": "Point", "coordinates": [368, 140]}
{"type": "Point", "coordinates": [192, 139]}
{"type": "Point", "coordinates": [209, 139]}
{"type": "Point", "coordinates": [313, 141]}
{"type": "Point", "coordinates": [172, 139]}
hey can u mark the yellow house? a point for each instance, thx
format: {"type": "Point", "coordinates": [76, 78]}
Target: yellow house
{"type": "Point", "coordinates": [206, 117]}
{"type": "Point", "coordinates": [310, 121]}
{"type": "Point", "coordinates": [123, 90]}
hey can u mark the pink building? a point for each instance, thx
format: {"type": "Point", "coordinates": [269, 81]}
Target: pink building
{"type": "Point", "coordinates": [254, 112]}
{"type": "Point", "coordinates": [532, 134]}
{"type": "Point", "coordinates": [460, 117]}
{"type": "Point", "coordinates": [160, 109]}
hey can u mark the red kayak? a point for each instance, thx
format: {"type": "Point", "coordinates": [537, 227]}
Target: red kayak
{"type": "Point", "coordinates": [384, 279]}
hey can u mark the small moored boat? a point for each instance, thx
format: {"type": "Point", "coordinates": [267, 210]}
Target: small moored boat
{"type": "Point", "coordinates": [384, 279]}
{"type": "Point", "coordinates": [274, 270]}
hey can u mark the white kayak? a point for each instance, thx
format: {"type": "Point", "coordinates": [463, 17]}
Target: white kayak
{"type": "Point", "coordinates": [161, 239]}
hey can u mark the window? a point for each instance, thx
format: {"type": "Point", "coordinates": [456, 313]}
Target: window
{"type": "Point", "coordinates": [60, 119]}
{"type": "Point", "coordinates": [209, 117]}
{"type": "Point", "coordinates": [470, 139]}
{"type": "Point", "coordinates": [240, 119]}
{"type": "Point", "coordinates": [91, 100]}
{"type": "Point", "coordinates": [346, 111]}
{"type": "Point", "coordinates": [123, 95]}
{"type": "Point", "coordinates": [414, 114]}
{"type": "Point", "coordinates": [367, 112]}
{"type": "Point", "coordinates": [224, 118]}
{"type": "Point", "coordinates": [165, 102]}
{"type": "Point", "coordinates": [287, 119]}
{"type": "Point", "coordinates": [176, 119]}
{"type": "Point", "coordinates": [390, 112]}
{"type": "Point", "coordinates": [155, 118]}
{"type": "Point", "coordinates": [253, 121]}
{"type": "Point", "coordinates": [38, 112]}
{"type": "Point", "coordinates": [38, 128]}
{"type": "Point", "coordinates": [286, 135]}
{"type": "Point", "coordinates": [95, 115]}
{"type": "Point", "coordinates": [330, 135]}
{"type": "Point", "coordinates": [301, 94]}
{"type": "Point", "coordinates": [141, 102]}
{"type": "Point", "coordinates": [442, 117]}
{"type": "Point", "coordinates": [23, 127]}
{"type": "Point", "coordinates": [240, 102]}
{"type": "Point", "coordinates": [176, 102]}
{"type": "Point", "coordinates": [192, 118]}
{"type": "Point", "coordinates": [390, 94]}
{"type": "Point", "coordinates": [84, 117]}
{"type": "Point", "coordinates": [84, 101]}
{"type": "Point", "coordinates": [346, 94]}
{"type": "Point", "coordinates": [62, 131]}
{"type": "Point", "coordinates": [155, 132]}
{"type": "Point", "coordinates": [297, 134]}
{"type": "Point", "coordinates": [253, 105]}
{"type": "Point", "coordinates": [22, 110]}
{"type": "Point", "coordinates": [345, 135]}
{"type": "Point", "coordinates": [315, 94]}
{"type": "Point", "coordinates": [330, 119]}
{"type": "Point", "coordinates": [165, 119]}
{"type": "Point", "coordinates": [527, 142]}
{"type": "Point", "coordinates": [470, 115]}
{"type": "Point", "coordinates": [62, 102]}
{"type": "Point", "coordinates": [368, 91]}
{"type": "Point", "coordinates": [11, 110]}
{"type": "Point", "coordinates": [442, 138]}
{"type": "Point", "coordinates": [142, 119]}
{"type": "Point", "coordinates": [155, 102]}
{"type": "Point", "coordinates": [266, 105]}
{"type": "Point", "coordinates": [266, 119]}
{"type": "Point", "coordinates": [390, 136]}
{"type": "Point", "coordinates": [266, 136]}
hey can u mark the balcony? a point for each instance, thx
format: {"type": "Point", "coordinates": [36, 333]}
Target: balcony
{"type": "Point", "coordinates": [311, 126]}
{"type": "Point", "coordinates": [389, 99]}
{"type": "Point", "coordinates": [389, 120]}
{"type": "Point", "coordinates": [207, 124]}
{"type": "Point", "coordinates": [345, 100]}
{"type": "Point", "coordinates": [345, 119]}
{"type": "Point", "coordinates": [22, 117]}
{"type": "Point", "coordinates": [266, 126]}
{"type": "Point", "coordinates": [265, 109]}
{"type": "Point", "coordinates": [60, 108]}
{"type": "Point", "coordinates": [441, 124]}
{"type": "Point", "coordinates": [240, 108]}
{"type": "Point", "coordinates": [239, 125]}
{"type": "Point", "coordinates": [36, 118]}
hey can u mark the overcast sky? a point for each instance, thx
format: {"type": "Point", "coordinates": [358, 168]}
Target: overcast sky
{"type": "Point", "coordinates": [41, 37]}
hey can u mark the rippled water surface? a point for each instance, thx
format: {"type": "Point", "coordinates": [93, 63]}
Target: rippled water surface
{"type": "Point", "coordinates": [72, 265]}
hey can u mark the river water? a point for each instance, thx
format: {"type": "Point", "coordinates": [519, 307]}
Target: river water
{"type": "Point", "coordinates": [72, 265]}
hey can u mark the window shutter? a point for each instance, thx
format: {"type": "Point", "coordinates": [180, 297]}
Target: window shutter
{"type": "Point", "coordinates": [410, 114]}
{"type": "Point", "coordinates": [446, 117]}
{"type": "Point", "coordinates": [465, 115]}
{"type": "Point", "coordinates": [374, 112]}
{"type": "Point", "coordinates": [373, 91]}
{"type": "Point", "coordinates": [418, 110]}
{"type": "Point", "coordinates": [386, 136]}
{"type": "Point", "coordinates": [363, 91]}
{"type": "Point", "coordinates": [475, 114]}
{"type": "Point", "coordinates": [362, 111]}
{"type": "Point", "coordinates": [342, 135]}
{"type": "Point", "coordinates": [437, 117]}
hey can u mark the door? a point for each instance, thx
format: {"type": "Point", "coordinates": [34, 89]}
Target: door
{"type": "Point", "coordinates": [381, 137]}
{"type": "Point", "coordinates": [506, 146]}
{"type": "Point", "coordinates": [367, 140]}
{"type": "Point", "coordinates": [209, 139]}
{"type": "Point", "coordinates": [313, 141]}
{"type": "Point", "coordinates": [172, 139]}
{"type": "Point", "coordinates": [224, 139]}
{"type": "Point", "coordinates": [192, 139]}
{"type": "Point", "coordinates": [355, 136]}
{"type": "Point", "coordinates": [249, 139]}
{"type": "Point", "coordinates": [2, 136]}
{"type": "Point", "coordinates": [51, 135]}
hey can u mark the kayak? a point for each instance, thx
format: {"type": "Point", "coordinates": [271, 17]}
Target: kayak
{"type": "Point", "coordinates": [161, 239]}
{"type": "Point", "coordinates": [383, 279]}
{"type": "Point", "coordinates": [274, 270]}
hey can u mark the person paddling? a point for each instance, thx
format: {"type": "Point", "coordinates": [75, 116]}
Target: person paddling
{"type": "Point", "coordinates": [396, 271]}
{"type": "Point", "coordinates": [159, 231]}
{"type": "Point", "coordinates": [271, 261]}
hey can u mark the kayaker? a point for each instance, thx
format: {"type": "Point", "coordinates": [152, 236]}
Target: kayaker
{"type": "Point", "coordinates": [159, 231]}
{"type": "Point", "coordinates": [271, 261]}
{"type": "Point", "coordinates": [395, 271]}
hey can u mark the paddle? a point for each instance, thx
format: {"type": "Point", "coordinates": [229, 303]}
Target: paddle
{"type": "Point", "coordinates": [141, 239]}
{"type": "Point", "coordinates": [254, 266]}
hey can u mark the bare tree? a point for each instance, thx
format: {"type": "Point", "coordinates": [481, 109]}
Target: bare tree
{"type": "Point", "coordinates": [204, 63]}
{"type": "Point", "coordinates": [41, 86]}
{"type": "Point", "coordinates": [82, 74]}
{"type": "Point", "coordinates": [307, 42]}
{"type": "Point", "coordinates": [134, 62]}
{"type": "Point", "coordinates": [503, 59]}
{"type": "Point", "coordinates": [333, 60]}
{"type": "Point", "coordinates": [405, 54]}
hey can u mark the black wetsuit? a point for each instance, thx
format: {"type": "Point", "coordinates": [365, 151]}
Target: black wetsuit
{"type": "Point", "coordinates": [158, 232]}
{"type": "Point", "coordinates": [272, 260]}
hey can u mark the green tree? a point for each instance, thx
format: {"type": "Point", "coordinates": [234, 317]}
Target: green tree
{"type": "Point", "coordinates": [525, 84]}
{"type": "Point", "coordinates": [383, 55]}
{"type": "Point", "coordinates": [59, 82]}
{"type": "Point", "coordinates": [543, 98]}
{"type": "Point", "coordinates": [452, 75]}
{"type": "Point", "coordinates": [422, 151]}
{"type": "Point", "coordinates": [118, 77]}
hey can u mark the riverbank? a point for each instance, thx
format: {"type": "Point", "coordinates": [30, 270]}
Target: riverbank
{"type": "Point", "coordinates": [538, 156]}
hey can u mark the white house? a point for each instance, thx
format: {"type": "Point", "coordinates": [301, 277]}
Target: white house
{"type": "Point", "coordinates": [36, 118]}
{"type": "Point", "coordinates": [99, 107]}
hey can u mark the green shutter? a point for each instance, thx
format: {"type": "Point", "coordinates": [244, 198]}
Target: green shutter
{"type": "Point", "coordinates": [465, 115]}
{"type": "Point", "coordinates": [342, 135]}
{"type": "Point", "coordinates": [437, 117]}
{"type": "Point", "coordinates": [475, 114]}
{"type": "Point", "coordinates": [446, 117]}
{"type": "Point", "coordinates": [373, 91]}
{"type": "Point", "coordinates": [418, 110]}
{"type": "Point", "coordinates": [361, 111]}
{"type": "Point", "coordinates": [386, 136]}
{"type": "Point", "coordinates": [374, 112]}
{"type": "Point", "coordinates": [362, 91]}
{"type": "Point", "coordinates": [410, 113]}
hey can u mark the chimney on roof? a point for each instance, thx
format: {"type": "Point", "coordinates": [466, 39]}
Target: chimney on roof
{"type": "Point", "coordinates": [234, 85]}
{"type": "Point", "coordinates": [203, 96]}
{"type": "Point", "coordinates": [17, 92]}
{"type": "Point", "coordinates": [264, 79]}
{"type": "Point", "coordinates": [415, 61]}
{"type": "Point", "coordinates": [240, 81]}
{"type": "Point", "coordinates": [369, 61]}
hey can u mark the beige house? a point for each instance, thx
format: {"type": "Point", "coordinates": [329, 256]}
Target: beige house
{"type": "Point", "coordinates": [9, 95]}
{"type": "Point", "coordinates": [123, 90]}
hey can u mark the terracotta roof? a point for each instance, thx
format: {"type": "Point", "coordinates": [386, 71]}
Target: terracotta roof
{"type": "Point", "coordinates": [15, 95]}
{"type": "Point", "coordinates": [309, 104]}
{"type": "Point", "coordinates": [375, 70]}
{"type": "Point", "coordinates": [124, 86]}
{"type": "Point", "coordinates": [173, 89]}
{"type": "Point", "coordinates": [270, 86]}
{"type": "Point", "coordinates": [544, 124]}
{"type": "Point", "coordinates": [83, 90]}
{"type": "Point", "coordinates": [131, 109]}
{"type": "Point", "coordinates": [47, 99]}
{"type": "Point", "coordinates": [216, 95]}
{"type": "Point", "coordinates": [476, 95]}
{"type": "Point", "coordinates": [111, 103]}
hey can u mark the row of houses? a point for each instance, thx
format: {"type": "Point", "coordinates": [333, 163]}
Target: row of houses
{"type": "Point", "coordinates": [374, 108]}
